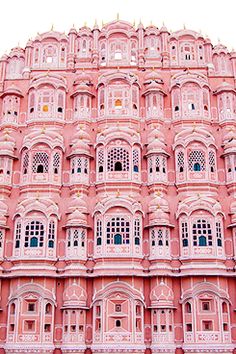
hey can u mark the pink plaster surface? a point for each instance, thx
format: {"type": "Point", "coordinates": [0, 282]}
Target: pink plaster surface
{"type": "Point", "coordinates": [118, 193]}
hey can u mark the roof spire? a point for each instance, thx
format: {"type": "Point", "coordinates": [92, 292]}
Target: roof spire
{"type": "Point", "coordinates": [117, 16]}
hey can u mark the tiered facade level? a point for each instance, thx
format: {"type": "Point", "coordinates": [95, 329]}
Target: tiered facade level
{"type": "Point", "coordinates": [118, 193]}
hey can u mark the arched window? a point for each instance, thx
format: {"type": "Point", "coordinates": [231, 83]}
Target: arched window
{"type": "Point", "coordinates": [18, 235]}
{"type": "Point", "coordinates": [25, 163]}
{"type": "Point", "coordinates": [188, 307]}
{"type": "Point", "coordinates": [135, 160]}
{"type": "Point", "coordinates": [218, 234]}
{"type": "Point", "coordinates": [31, 102]}
{"type": "Point", "coordinates": [187, 53]}
{"type": "Point", "coordinates": [13, 309]}
{"type": "Point", "coordinates": [103, 53]}
{"type": "Point", "coordinates": [56, 163]}
{"type": "Point", "coordinates": [118, 159]}
{"type": "Point", "coordinates": [48, 309]}
{"type": "Point", "coordinates": [196, 161]}
{"type": "Point", "coordinates": [180, 161]}
{"type": "Point", "coordinates": [212, 161]}
{"type": "Point", "coordinates": [50, 55]}
{"type": "Point", "coordinates": [34, 234]}
{"type": "Point", "coordinates": [184, 234]}
{"type": "Point", "coordinates": [160, 239]}
{"type": "Point", "coordinates": [118, 50]}
{"type": "Point", "coordinates": [40, 162]}
{"type": "Point", "coordinates": [137, 232]}
{"type": "Point", "coordinates": [224, 307]}
{"type": "Point", "coordinates": [202, 233]}
{"type": "Point", "coordinates": [51, 234]}
{"type": "Point", "coordinates": [100, 160]}
{"type": "Point", "coordinates": [11, 108]}
{"type": "Point", "coordinates": [119, 227]}
{"type": "Point", "coordinates": [99, 233]}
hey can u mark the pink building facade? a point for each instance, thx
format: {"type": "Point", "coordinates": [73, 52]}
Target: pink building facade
{"type": "Point", "coordinates": [118, 193]}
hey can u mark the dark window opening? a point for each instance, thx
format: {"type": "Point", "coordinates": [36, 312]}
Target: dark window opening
{"type": "Point", "coordinates": [197, 167]}
{"type": "Point", "coordinates": [189, 327]}
{"type": "Point", "coordinates": [99, 241]}
{"type": "Point", "coordinates": [50, 244]}
{"type": "Point", "coordinates": [118, 323]}
{"type": "Point", "coordinates": [176, 108]}
{"type": "Point", "coordinates": [31, 109]}
{"type": "Point", "coordinates": [185, 243]}
{"type": "Point", "coordinates": [188, 307]}
{"type": "Point", "coordinates": [34, 242]}
{"type": "Point", "coordinates": [59, 109]}
{"type": "Point", "coordinates": [137, 241]}
{"type": "Point", "coordinates": [202, 241]}
{"type": "Point", "coordinates": [100, 169]}
{"type": "Point", "coordinates": [117, 239]}
{"type": "Point", "coordinates": [118, 166]}
{"type": "Point", "coordinates": [40, 169]}
{"type": "Point", "coordinates": [135, 168]}
{"type": "Point", "coordinates": [181, 169]}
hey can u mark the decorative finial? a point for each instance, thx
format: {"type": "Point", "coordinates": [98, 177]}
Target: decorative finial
{"type": "Point", "coordinates": [184, 26]}
{"type": "Point", "coordinates": [85, 24]}
{"type": "Point", "coordinates": [218, 40]}
{"type": "Point", "coordinates": [117, 16]}
{"type": "Point", "coordinates": [95, 23]}
{"type": "Point", "coordinates": [78, 194]}
{"type": "Point", "coordinates": [43, 129]}
{"type": "Point", "coordinates": [117, 193]}
{"type": "Point", "coordinates": [158, 193]}
{"type": "Point", "coordinates": [37, 196]}
{"type": "Point", "coordinates": [158, 206]}
{"type": "Point", "coordinates": [134, 23]}
{"type": "Point", "coordinates": [52, 28]}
